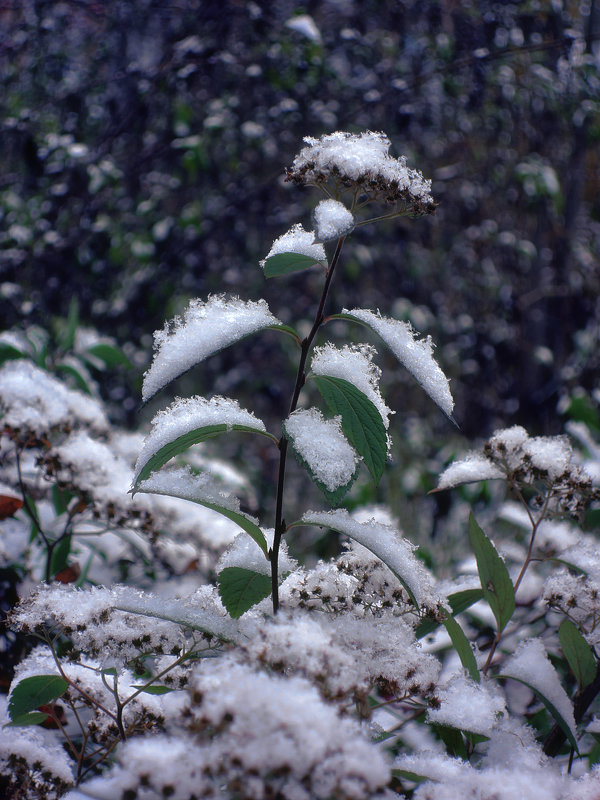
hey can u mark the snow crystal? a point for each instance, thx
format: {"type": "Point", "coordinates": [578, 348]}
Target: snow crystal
{"type": "Point", "coordinates": [206, 328]}
{"type": "Point", "coordinates": [352, 363]}
{"type": "Point", "coordinates": [475, 467]}
{"type": "Point", "coordinates": [332, 220]}
{"type": "Point", "coordinates": [321, 444]}
{"type": "Point", "coordinates": [468, 706]}
{"type": "Point", "coordinates": [530, 664]}
{"type": "Point", "coordinates": [32, 399]}
{"type": "Point", "coordinates": [188, 414]}
{"type": "Point", "coordinates": [509, 438]}
{"type": "Point", "coordinates": [243, 552]}
{"type": "Point", "coordinates": [297, 240]}
{"type": "Point", "coordinates": [364, 159]}
{"type": "Point", "coordinates": [386, 543]}
{"type": "Point", "coordinates": [550, 454]}
{"type": "Point", "coordinates": [95, 468]}
{"type": "Point", "coordinates": [416, 355]}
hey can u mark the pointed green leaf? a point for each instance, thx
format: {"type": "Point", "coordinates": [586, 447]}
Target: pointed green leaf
{"type": "Point", "coordinates": [31, 693]}
{"type": "Point", "coordinates": [35, 718]}
{"type": "Point", "coordinates": [334, 498]}
{"type": "Point", "coordinates": [577, 652]}
{"type": "Point", "coordinates": [462, 647]}
{"type": "Point", "coordinates": [361, 421]}
{"type": "Point", "coordinates": [453, 739]}
{"type": "Point", "coordinates": [181, 443]}
{"type": "Point", "coordinates": [67, 335]}
{"type": "Point", "coordinates": [110, 354]}
{"type": "Point", "coordinates": [8, 352]}
{"type": "Point", "coordinates": [240, 589]}
{"type": "Point", "coordinates": [459, 602]}
{"type": "Point", "coordinates": [287, 263]}
{"type": "Point", "coordinates": [495, 581]}
{"type": "Point", "coordinates": [80, 379]}
{"type": "Point", "coordinates": [60, 555]}
{"type": "Point", "coordinates": [558, 717]}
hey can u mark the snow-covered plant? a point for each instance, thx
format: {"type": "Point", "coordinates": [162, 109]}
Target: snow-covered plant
{"type": "Point", "coordinates": [352, 171]}
{"type": "Point", "coordinates": [361, 677]}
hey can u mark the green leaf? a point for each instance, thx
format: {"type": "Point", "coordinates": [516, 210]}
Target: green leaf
{"type": "Point", "coordinates": [80, 379]}
{"type": "Point", "coordinates": [8, 352]}
{"type": "Point", "coordinates": [154, 689]}
{"type": "Point", "coordinates": [453, 739]}
{"type": "Point", "coordinates": [31, 693]}
{"type": "Point", "coordinates": [459, 602]}
{"type": "Point", "coordinates": [577, 652]}
{"type": "Point", "coordinates": [462, 647]}
{"type": "Point", "coordinates": [558, 717]}
{"type": "Point", "coordinates": [60, 555]}
{"type": "Point", "coordinates": [287, 263]}
{"type": "Point", "coordinates": [35, 718]}
{"type": "Point", "coordinates": [361, 421]}
{"type": "Point", "coordinates": [181, 443]}
{"type": "Point", "coordinates": [495, 581]}
{"type": "Point", "coordinates": [240, 589]}
{"type": "Point", "coordinates": [69, 328]}
{"type": "Point", "coordinates": [110, 354]}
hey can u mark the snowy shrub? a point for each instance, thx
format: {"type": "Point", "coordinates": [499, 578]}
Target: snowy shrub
{"type": "Point", "coordinates": [182, 651]}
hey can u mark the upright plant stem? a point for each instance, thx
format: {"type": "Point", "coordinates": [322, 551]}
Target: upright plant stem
{"type": "Point", "coordinates": [280, 525]}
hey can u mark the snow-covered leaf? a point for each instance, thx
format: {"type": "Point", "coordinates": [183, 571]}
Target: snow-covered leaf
{"type": "Point", "coordinates": [459, 602]}
{"type": "Point", "coordinates": [109, 354]}
{"type": "Point", "coordinates": [495, 581]}
{"type": "Point", "coordinates": [577, 652]}
{"type": "Point", "coordinates": [240, 589]}
{"type": "Point", "coordinates": [361, 421]}
{"type": "Point", "coordinates": [416, 355]}
{"type": "Point", "coordinates": [387, 544]}
{"type": "Point", "coordinates": [530, 666]}
{"type": "Point", "coordinates": [187, 422]}
{"type": "Point", "coordinates": [323, 450]}
{"type": "Point", "coordinates": [204, 490]}
{"type": "Point", "coordinates": [204, 329]}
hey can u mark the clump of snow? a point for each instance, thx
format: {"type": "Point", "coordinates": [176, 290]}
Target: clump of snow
{"type": "Point", "coordinates": [468, 706]}
{"type": "Point", "coordinates": [332, 220]}
{"type": "Point", "coordinates": [242, 552]}
{"type": "Point", "coordinates": [387, 544]}
{"type": "Point", "coordinates": [362, 160]}
{"type": "Point", "coordinates": [474, 467]}
{"type": "Point", "coordinates": [33, 400]}
{"type": "Point", "coordinates": [531, 665]}
{"type": "Point", "coordinates": [206, 328]}
{"type": "Point", "coordinates": [321, 444]}
{"type": "Point", "coordinates": [188, 414]}
{"type": "Point", "coordinates": [304, 24]}
{"type": "Point", "coordinates": [352, 363]}
{"type": "Point", "coordinates": [416, 355]}
{"type": "Point", "coordinates": [297, 240]}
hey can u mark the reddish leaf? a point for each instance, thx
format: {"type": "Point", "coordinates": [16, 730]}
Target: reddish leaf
{"type": "Point", "coordinates": [8, 505]}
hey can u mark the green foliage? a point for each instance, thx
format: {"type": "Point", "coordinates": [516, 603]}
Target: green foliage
{"type": "Point", "coordinates": [31, 693]}
{"type": "Point", "coordinates": [240, 589]}
{"type": "Point", "coordinates": [361, 421]}
{"type": "Point", "coordinates": [577, 652]}
{"type": "Point", "coordinates": [496, 584]}
{"type": "Point", "coordinates": [287, 263]}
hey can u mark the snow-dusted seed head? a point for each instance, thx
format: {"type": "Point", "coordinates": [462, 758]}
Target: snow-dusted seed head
{"type": "Point", "coordinates": [362, 161]}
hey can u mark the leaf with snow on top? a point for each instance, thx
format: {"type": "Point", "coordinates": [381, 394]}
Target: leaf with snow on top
{"type": "Point", "coordinates": [204, 329]}
{"type": "Point", "coordinates": [416, 355]}
{"type": "Point", "coordinates": [187, 422]}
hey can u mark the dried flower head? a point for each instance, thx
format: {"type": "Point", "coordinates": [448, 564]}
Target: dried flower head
{"type": "Point", "coordinates": [362, 161]}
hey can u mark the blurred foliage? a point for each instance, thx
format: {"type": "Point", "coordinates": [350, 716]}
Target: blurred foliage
{"type": "Point", "coordinates": [140, 145]}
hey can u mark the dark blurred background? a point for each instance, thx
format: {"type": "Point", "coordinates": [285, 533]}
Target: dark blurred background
{"type": "Point", "coordinates": [142, 155]}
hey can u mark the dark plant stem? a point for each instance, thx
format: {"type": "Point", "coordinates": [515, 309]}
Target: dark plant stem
{"type": "Point", "coordinates": [280, 526]}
